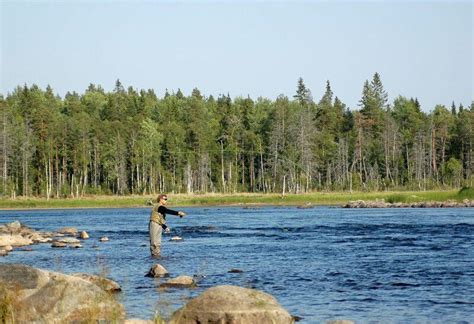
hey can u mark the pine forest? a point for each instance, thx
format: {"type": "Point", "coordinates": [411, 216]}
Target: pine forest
{"type": "Point", "coordinates": [131, 141]}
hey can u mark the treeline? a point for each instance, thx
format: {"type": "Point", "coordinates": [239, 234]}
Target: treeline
{"type": "Point", "coordinates": [133, 142]}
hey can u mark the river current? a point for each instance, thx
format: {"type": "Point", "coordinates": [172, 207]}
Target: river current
{"type": "Point", "coordinates": [368, 265]}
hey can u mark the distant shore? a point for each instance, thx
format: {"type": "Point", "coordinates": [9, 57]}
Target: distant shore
{"type": "Point", "coordinates": [239, 199]}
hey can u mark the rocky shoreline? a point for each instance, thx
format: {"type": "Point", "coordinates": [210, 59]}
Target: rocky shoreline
{"type": "Point", "coordinates": [29, 294]}
{"type": "Point", "coordinates": [16, 235]}
{"type": "Point", "coordinates": [426, 204]}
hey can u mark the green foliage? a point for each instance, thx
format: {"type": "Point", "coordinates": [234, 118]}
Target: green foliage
{"type": "Point", "coordinates": [244, 200]}
{"type": "Point", "coordinates": [303, 94]}
{"type": "Point", "coordinates": [466, 193]}
{"type": "Point", "coordinates": [131, 141]}
{"type": "Point", "coordinates": [397, 198]}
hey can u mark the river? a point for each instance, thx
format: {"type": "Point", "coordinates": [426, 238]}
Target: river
{"type": "Point", "coordinates": [369, 265]}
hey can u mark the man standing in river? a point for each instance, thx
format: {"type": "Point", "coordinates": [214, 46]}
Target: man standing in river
{"type": "Point", "coordinates": [158, 223]}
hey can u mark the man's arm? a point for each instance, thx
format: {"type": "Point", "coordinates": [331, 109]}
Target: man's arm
{"type": "Point", "coordinates": [163, 210]}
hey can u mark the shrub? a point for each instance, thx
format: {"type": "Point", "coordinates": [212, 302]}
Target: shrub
{"type": "Point", "coordinates": [466, 193]}
{"type": "Point", "coordinates": [397, 198]}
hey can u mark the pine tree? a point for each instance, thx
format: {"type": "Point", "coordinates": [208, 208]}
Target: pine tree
{"type": "Point", "coordinates": [303, 94]}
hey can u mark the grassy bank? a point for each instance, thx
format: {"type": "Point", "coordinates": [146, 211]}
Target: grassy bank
{"type": "Point", "coordinates": [316, 198]}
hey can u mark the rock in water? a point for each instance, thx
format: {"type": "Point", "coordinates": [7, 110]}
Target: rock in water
{"type": "Point", "coordinates": [232, 304]}
{"type": "Point", "coordinates": [157, 271]}
{"type": "Point", "coordinates": [57, 244]}
{"type": "Point", "coordinates": [84, 235]}
{"type": "Point", "coordinates": [14, 240]}
{"type": "Point", "coordinates": [69, 240]}
{"type": "Point", "coordinates": [68, 231]}
{"type": "Point", "coordinates": [234, 270]}
{"type": "Point", "coordinates": [14, 226]}
{"type": "Point", "coordinates": [179, 282]}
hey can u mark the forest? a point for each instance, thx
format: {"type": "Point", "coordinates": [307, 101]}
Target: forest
{"type": "Point", "coordinates": [131, 141]}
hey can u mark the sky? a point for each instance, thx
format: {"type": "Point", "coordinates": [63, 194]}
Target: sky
{"type": "Point", "coordinates": [421, 49]}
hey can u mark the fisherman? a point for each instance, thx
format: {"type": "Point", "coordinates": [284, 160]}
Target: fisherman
{"type": "Point", "coordinates": [158, 223]}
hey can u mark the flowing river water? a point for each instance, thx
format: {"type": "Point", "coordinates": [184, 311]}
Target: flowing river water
{"type": "Point", "coordinates": [369, 265]}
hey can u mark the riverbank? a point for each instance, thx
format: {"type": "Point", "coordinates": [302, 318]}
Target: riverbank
{"type": "Point", "coordinates": [240, 199]}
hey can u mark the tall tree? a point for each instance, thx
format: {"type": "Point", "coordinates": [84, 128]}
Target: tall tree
{"type": "Point", "coordinates": [303, 94]}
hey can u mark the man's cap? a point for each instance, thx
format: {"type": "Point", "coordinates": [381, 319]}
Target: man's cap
{"type": "Point", "coordinates": [162, 196]}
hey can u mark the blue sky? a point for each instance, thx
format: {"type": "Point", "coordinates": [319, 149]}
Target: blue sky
{"type": "Point", "coordinates": [421, 49]}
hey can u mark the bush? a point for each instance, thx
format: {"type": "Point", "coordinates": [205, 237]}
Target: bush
{"type": "Point", "coordinates": [397, 198]}
{"type": "Point", "coordinates": [466, 193]}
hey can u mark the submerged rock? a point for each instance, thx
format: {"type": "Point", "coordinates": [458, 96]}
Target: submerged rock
{"type": "Point", "coordinates": [235, 271]}
{"type": "Point", "coordinates": [51, 297]}
{"type": "Point", "coordinates": [232, 304]}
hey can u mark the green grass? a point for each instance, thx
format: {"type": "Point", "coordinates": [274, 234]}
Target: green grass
{"type": "Point", "coordinates": [239, 199]}
{"type": "Point", "coordinates": [85, 202]}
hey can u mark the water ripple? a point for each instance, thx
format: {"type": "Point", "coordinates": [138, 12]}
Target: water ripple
{"type": "Point", "coordinates": [320, 263]}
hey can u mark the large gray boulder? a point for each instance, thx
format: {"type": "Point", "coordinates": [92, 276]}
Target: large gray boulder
{"type": "Point", "coordinates": [35, 295]}
{"type": "Point", "coordinates": [231, 304]}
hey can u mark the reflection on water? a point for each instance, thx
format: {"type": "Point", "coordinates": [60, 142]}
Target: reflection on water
{"type": "Point", "coordinates": [379, 265]}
